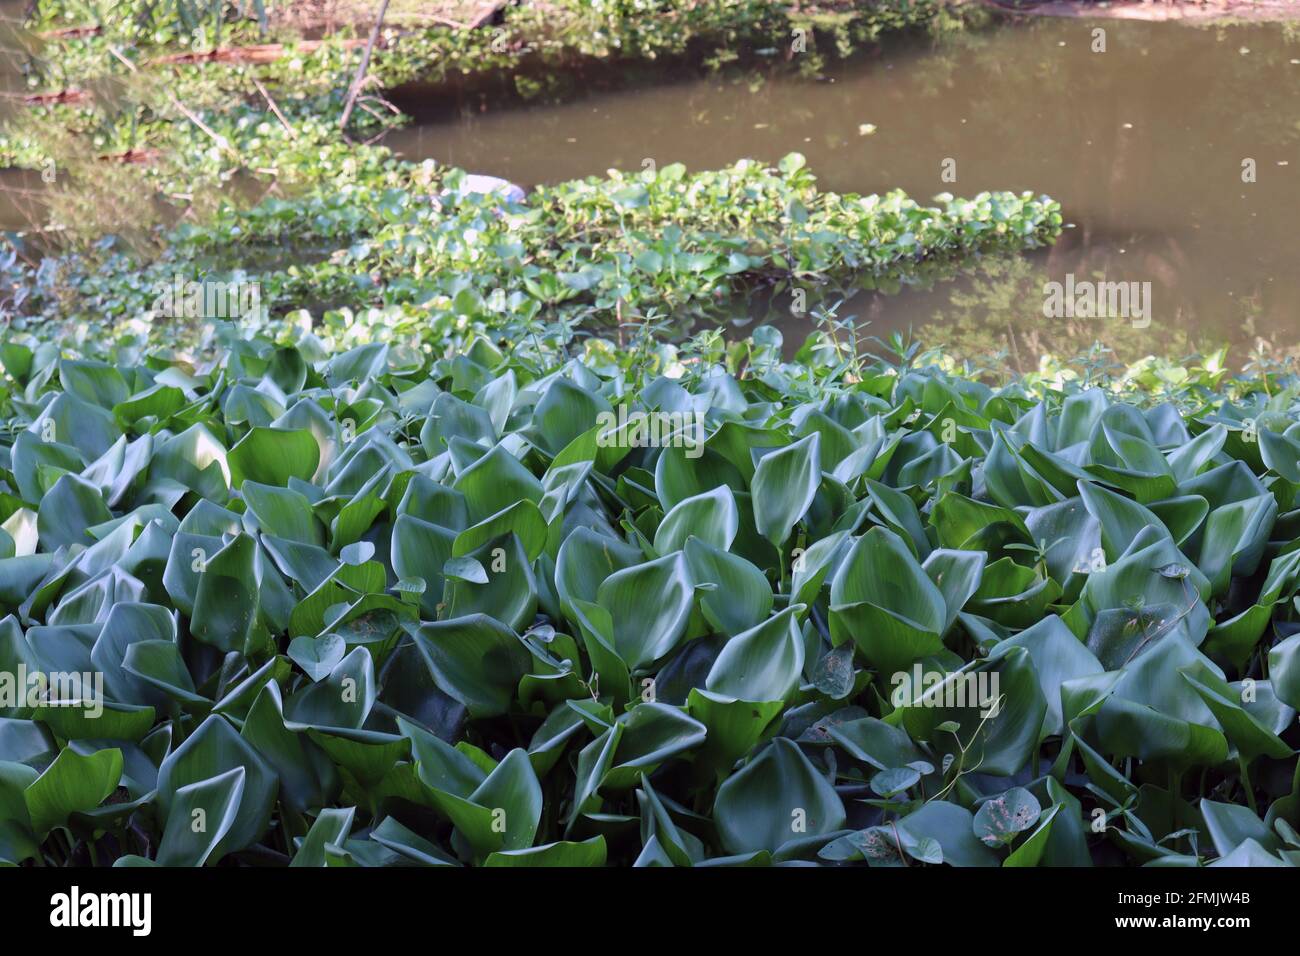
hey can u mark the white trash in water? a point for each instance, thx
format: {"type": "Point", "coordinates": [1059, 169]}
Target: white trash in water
{"type": "Point", "coordinates": [474, 183]}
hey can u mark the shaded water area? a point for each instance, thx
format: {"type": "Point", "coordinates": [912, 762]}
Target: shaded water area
{"type": "Point", "coordinates": [20, 190]}
{"type": "Point", "coordinates": [1143, 144]}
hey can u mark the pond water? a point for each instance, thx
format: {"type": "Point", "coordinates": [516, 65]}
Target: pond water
{"type": "Point", "coordinates": [20, 205]}
{"type": "Point", "coordinates": [1143, 144]}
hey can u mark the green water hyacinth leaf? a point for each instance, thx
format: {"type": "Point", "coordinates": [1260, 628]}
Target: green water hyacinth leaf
{"type": "Point", "coordinates": [495, 482]}
{"type": "Point", "coordinates": [958, 576]}
{"type": "Point", "coordinates": [653, 733]}
{"type": "Point", "coordinates": [317, 656]}
{"type": "Point", "coordinates": [510, 593]}
{"type": "Point", "coordinates": [272, 456]}
{"type": "Point", "coordinates": [875, 743]}
{"type": "Point", "coordinates": [17, 841]}
{"type": "Point", "coordinates": [1281, 454]}
{"type": "Point", "coordinates": [834, 674]}
{"type": "Point", "coordinates": [594, 762]}
{"type": "Point", "coordinates": [649, 605]}
{"type": "Point", "coordinates": [522, 519]}
{"type": "Point", "coordinates": [1189, 459]}
{"type": "Point", "coordinates": [783, 487]}
{"type": "Point", "coordinates": [160, 666]}
{"type": "Point", "coordinates": [989, 715]}
{"type": "Point", "coordinates": [201, 816]}
{"type": "Point", "coordinates": [764, 663]}
{"type": "Point", "coordinates": [331, 828]}
{"type": "Point", "coordinates": [678, 476]}
{"type": "Point", "coordinates": [894, 781]}
{"type": "Point", "coordinates": [711, 517]}
{"type": "Point", "coordinates": [588, 853]}
{"type": "Point", "coordinates": [966, 524]}
{"type": "Point", "coordinates": [1013, 595]}
{"type": "Point", "coordinates": [96, 382]}
{"type": "Point", "coordinates": [476, 660]}
{"type": "Point", "coordinates": [666, 844]}
{"type": "Point", "coordinates": [1121, 519]}
{"type": "Point", "coordinates": [1284, 669]}
{"type": "Point", "coordinates": [1057, 657]}
{"type": "Point", "coordinates": [884, 602]}
{"type": "Point", "coordinates": [342, 700]}
{"type": "Point", "coordinates": [734, 726]}
{"type": "Point", "coordinates": [1234, 539]}
{"type": "Point", "coordinates": [227, 596]}
{"type": "Point", "coordinates": [1030, 853]}
{"type": "Point", "coordinates": [1243, 731]}
{"type": "Point", "coordinates": [282, 512]}
{"type": "Point", "coordinates": [585, 560]}
{"type": "Point", "coordinates": [67, 510]}
{"type": "Point", "coordinates": [777, 798]}
{"type": "Point", "coordinates": [502, 812]}
{"type": "Point", "coordinates": [610, 671]}
{"type": "Point", "coordinates": [421, 550]}
{"type": "Point", "coordinates": [1230, 826]}
{"type": "Point", "coordinates": [812, 566]}
{"type": "Point", "coordinates": [307, 776]}
{"type": "Point", "coordinates": [72, 783]}
{"type": "Point", "coordinates": [735, 594]}
{"type": "Point", "coordinates": [212, 750]}
{"type": "Point", "coordinates": [409, 845]}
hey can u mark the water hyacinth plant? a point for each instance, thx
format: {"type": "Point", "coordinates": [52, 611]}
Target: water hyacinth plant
{"type": "Point", "coordinates": [668, 241]}
{"type": "Point", "coordinates": [387, 607]}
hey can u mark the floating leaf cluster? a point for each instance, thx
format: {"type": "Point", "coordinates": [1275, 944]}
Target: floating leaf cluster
{"type": "Point", "coordinates": [663, 241]}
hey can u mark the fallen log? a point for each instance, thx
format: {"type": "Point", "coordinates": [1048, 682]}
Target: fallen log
{"type": "Point", "coordinates": [138, 157]}
{"type": "Point", "coordinates": [71, 95]}
{"type": "Point", "coordinates": [255, 53]}
{"type": "Point", "coordinates": [71, 33]}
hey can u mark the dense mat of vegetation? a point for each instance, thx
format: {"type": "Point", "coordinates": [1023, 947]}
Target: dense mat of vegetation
{"type": "Point", "coordinates": [663, 242]}
{"type": "Point", "coordinates": [441, 555]}
{"type": "Point", "coordinates": [388, 606]}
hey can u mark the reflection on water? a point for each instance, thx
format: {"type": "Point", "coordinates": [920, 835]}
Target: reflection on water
{"type": "Point", "coordinates": [1143, 144]}
{"type": "Point", "coordinates": [20, 190]}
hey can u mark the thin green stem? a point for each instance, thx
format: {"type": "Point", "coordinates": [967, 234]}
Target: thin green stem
{"type": "Point", "coordinates": [1245, 782]}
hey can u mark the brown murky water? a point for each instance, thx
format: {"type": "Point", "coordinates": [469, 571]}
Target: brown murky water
{"type": "Point", "coordinates": [1143, 144]}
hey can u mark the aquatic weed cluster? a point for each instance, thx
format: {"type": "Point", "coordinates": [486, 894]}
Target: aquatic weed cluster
{"type": "Point", "coordinates": [378, 608]}
{"type": "Point", "coordinates": [665, 242]}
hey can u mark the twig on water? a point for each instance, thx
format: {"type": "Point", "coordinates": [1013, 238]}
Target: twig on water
{"type": "Point", "coordinates": [118, 53]}
{"type": "Point", "coordinates": [216, 137]}
{"type": "Point", "coordinates": [274, 108]}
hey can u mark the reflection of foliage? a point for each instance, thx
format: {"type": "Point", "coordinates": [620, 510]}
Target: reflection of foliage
{"type": "Point", "coordinates": [996, 316]}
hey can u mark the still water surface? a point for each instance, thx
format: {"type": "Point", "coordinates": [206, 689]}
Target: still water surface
{"type": "Point", "coordinates": [1143, 145]}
